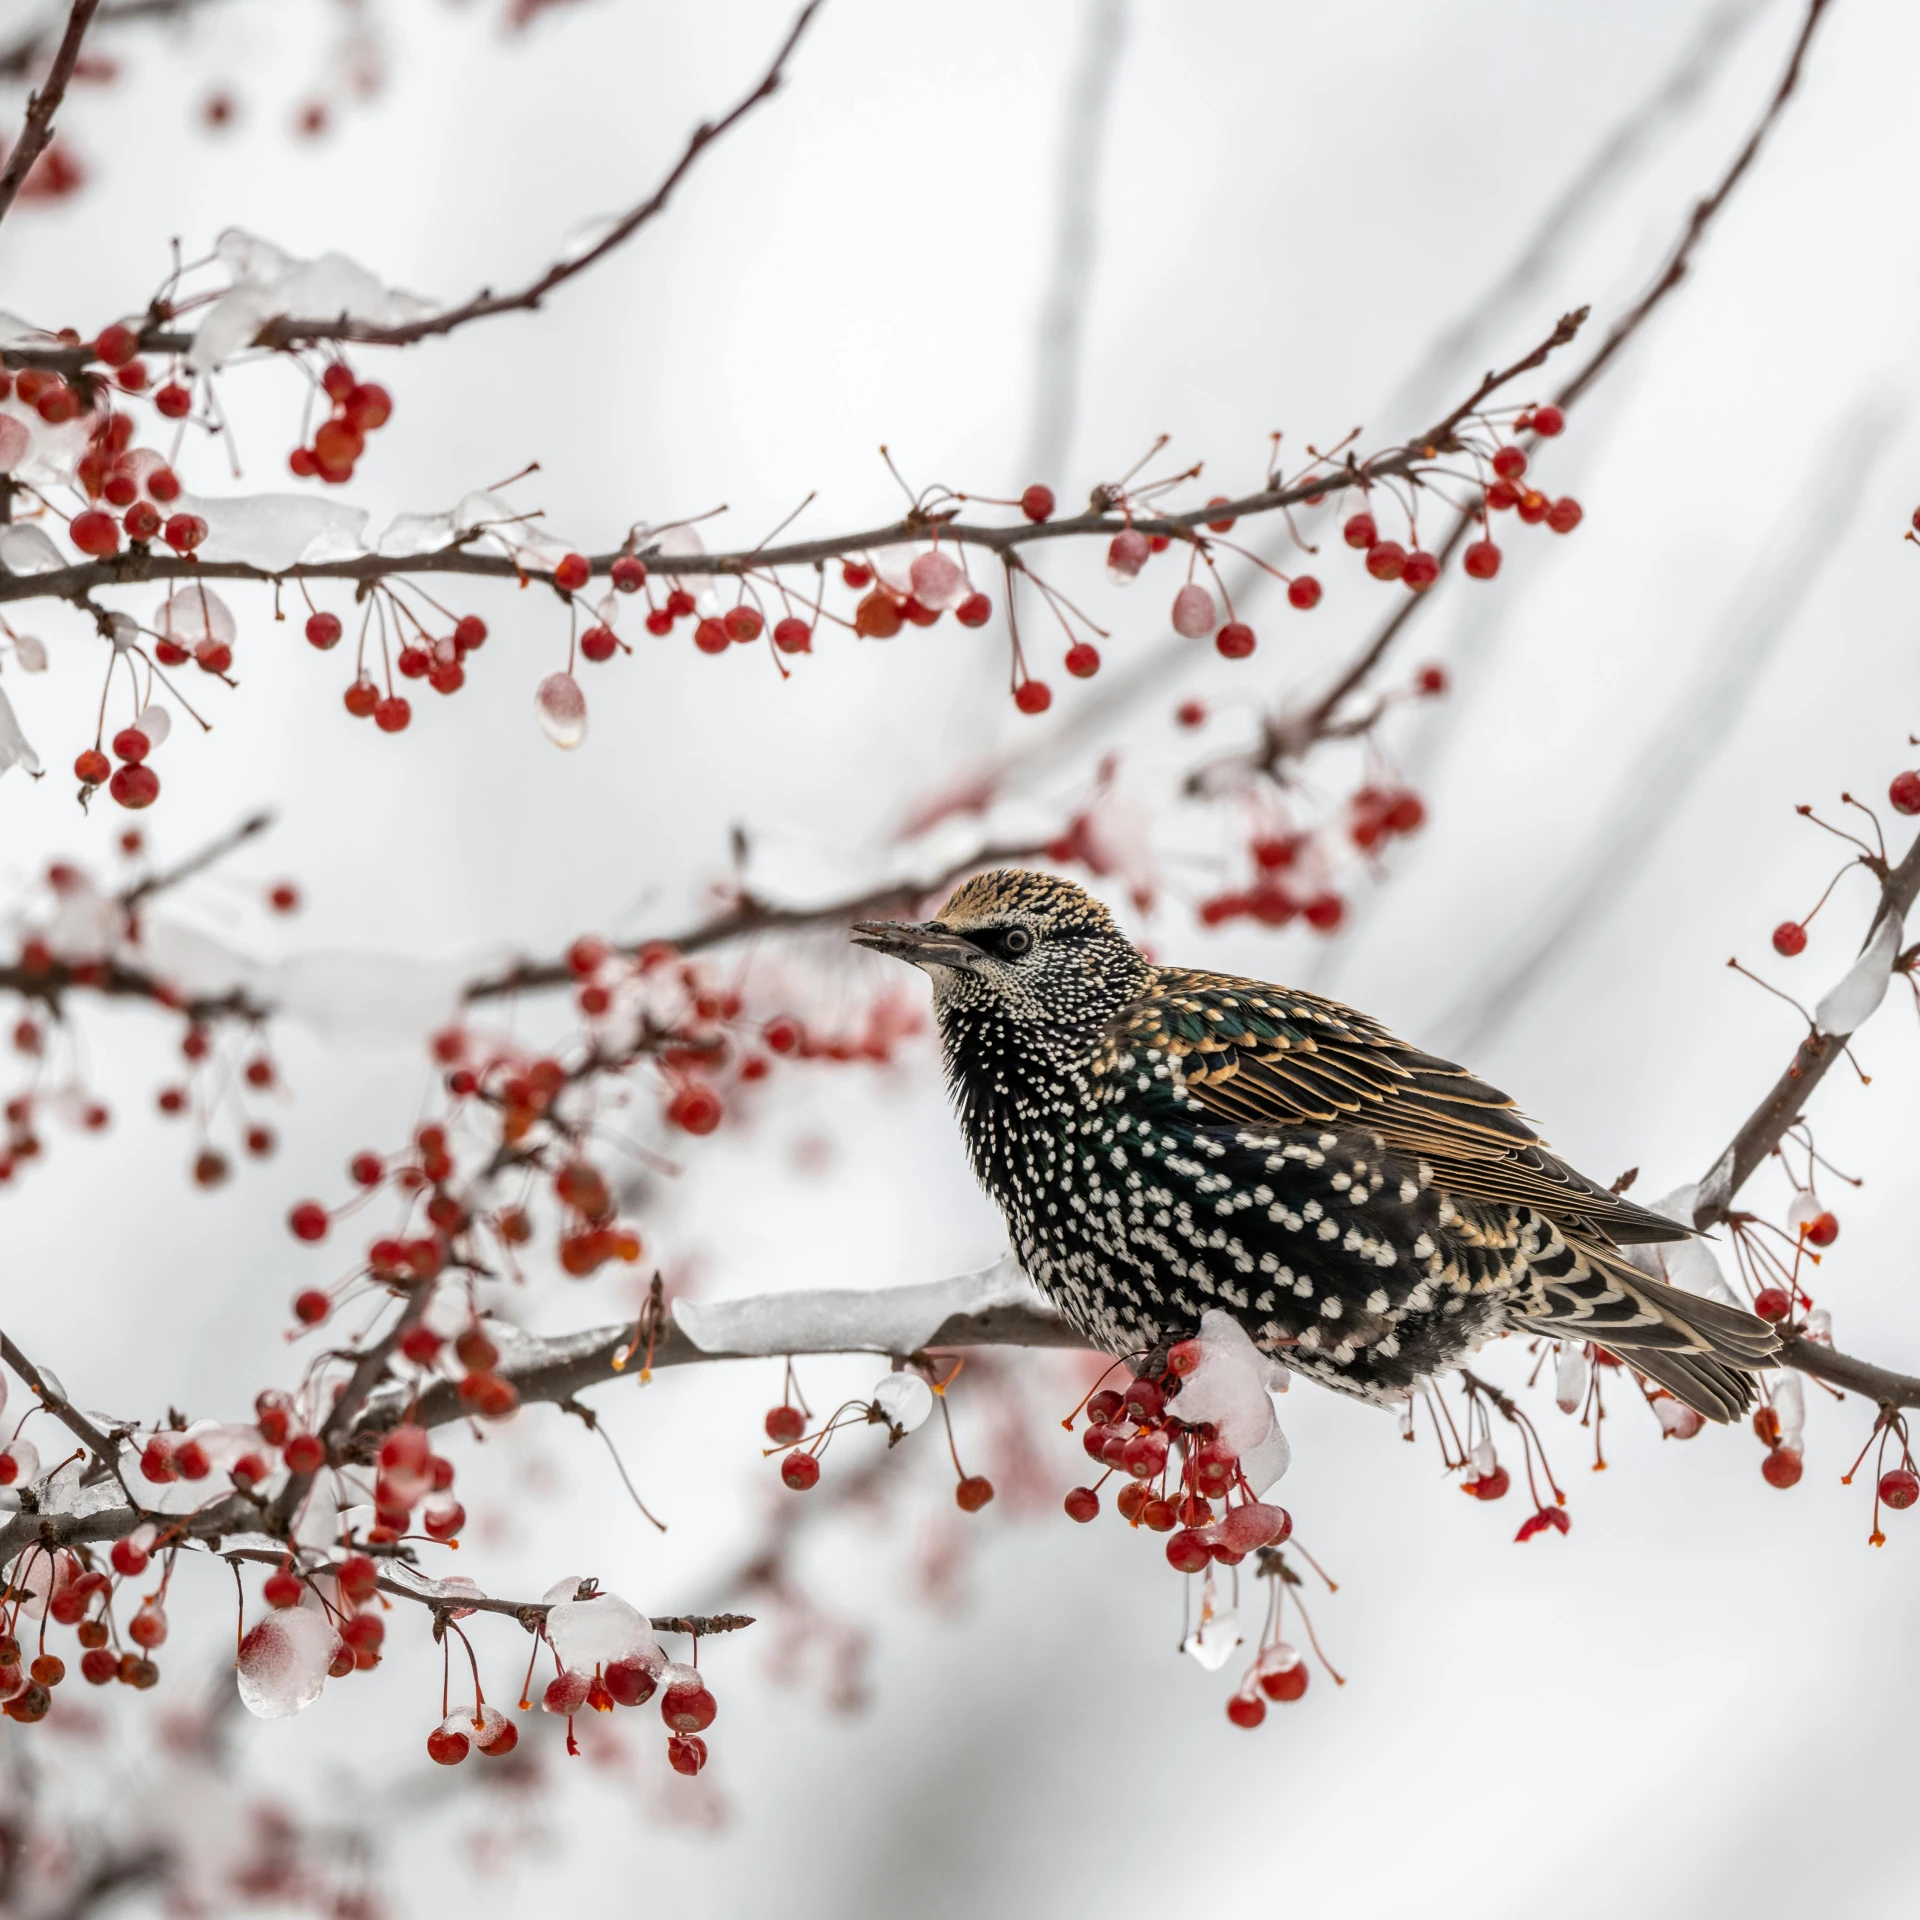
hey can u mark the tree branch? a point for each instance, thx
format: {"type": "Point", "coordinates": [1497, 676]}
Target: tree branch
{"type": "Point", "coordinates": [43, 104]}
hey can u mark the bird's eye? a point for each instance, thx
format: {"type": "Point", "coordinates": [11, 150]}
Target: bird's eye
{"type": "Point", "coordinates": [1016, 940]}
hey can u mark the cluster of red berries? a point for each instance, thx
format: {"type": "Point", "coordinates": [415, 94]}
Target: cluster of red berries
{"type": "Point", "coordinates": [1136, 1431]}
{"type": "Point", "coordinates": [1903, 795]}
{"type": "Point", "coordinates": [687, 1704]}
{"type": "Point", "coordinates": [73, 1588]}
{"type": "Point", "coordinates": [441, 662]}
{"type": "Point", "coordinates": [133, 483]}
{"type": "Point", "coordinates": [786, 1426]}
{"type": "Point", "coordinates": [1270, 901]}
{"type": "Point", "coordinates": [1376, 814]}
{"type": "Point", "coordinates": [210, 1165]}
{"type": "Point", "coordinates": [359, 408]}
{"type": "Point", "coordinates": [133, 783]}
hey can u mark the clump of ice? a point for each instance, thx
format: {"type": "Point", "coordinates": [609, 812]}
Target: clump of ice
{"type": "Point", "coordinates": [283, 1662]}
{"type": "Point", "coordinates": [1231, 1390]}
{"type": "Point", "coordinates": [905, 1399]}
{"type": "Point", "coordinates": [1217, 1633]}
{"type": "Point", "coordinates": [268, 284]}
{"type": "Point", "coordinates": [595, 1633]}
{"type": "Point", "coordinates": [1570, 1376]}
{"type": "Point", "coordinates": [193, 614]}
{"type": "Point", "coordinates": [1847, 1007]}
{"type": "Point", "coordinates": [16, 750]}
{"type": "Point", "coordinates": [279, 530]}
{"type": "Point", "coordinates": [26, 549]}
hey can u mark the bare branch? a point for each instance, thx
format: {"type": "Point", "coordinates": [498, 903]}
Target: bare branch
{"type": "Point", "coordinates": [43, 104]}
{"type": "Point", "coordinates": [100, 1445]}
{"type": "Point", "coordinates": [209, 855]}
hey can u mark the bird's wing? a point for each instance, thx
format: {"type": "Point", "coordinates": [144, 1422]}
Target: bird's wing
{"type": "Point", "coordinates": [1271, 1056]}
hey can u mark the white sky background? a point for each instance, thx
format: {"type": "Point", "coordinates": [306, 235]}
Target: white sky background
{"type": "Point", "coordinates": [1694, 1703]}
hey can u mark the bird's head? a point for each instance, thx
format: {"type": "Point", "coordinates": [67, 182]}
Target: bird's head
{"type": "Point", "coordinates": [1028, 946]}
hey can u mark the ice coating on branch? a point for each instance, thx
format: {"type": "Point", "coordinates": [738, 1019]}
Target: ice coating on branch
{"type": "Point", "coordinates": [847, 1320]}
{"type": "Point", "coordinates": [275, 531]}
{"type": "Point", "coordinates": [1217, 1633]}
{"type": "Point", "coordinates": [195, 613]}
{"type": "Point", "coordinates": [562, 710]}
{"type": "Point", "coordinates": [26, 549]}
{"type": "Point", "coordinates": [31, 652]}
{"type": "Point", "coordinates": [1848, 1007]}
{"type": "Point", "coordinates": [15, 440]}
{"type": "Point", "coordinates": [595, 1633]}
{"type": "Point", "coordinates": [583, 236]}
{"type": "Point", "coordinates": [410, 533]}
{"type": "Point", "coordinates": [374, 1006]}
{"type": "Point", "coordinates": [906, 1400]}
{"type": "Point", "coordinates": [283, 1661]}
{"type": "Point", "coordinates": [15, 749]}
{"type": "Point", "coordinates": [269, 285]}
{"type": "Point", "coordinates": [1230, 1390]}
{"type": "Point", "coordinates": [1570, 1376]}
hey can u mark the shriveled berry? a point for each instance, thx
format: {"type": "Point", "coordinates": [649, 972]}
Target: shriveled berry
{"type": "Point", "coordinates": [686, 1753]}
{"type": "Point", "coordinates": [973, 1493]}
{"type": "Point", "coordinates": [91, 767]}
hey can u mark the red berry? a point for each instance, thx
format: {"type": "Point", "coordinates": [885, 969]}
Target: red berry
{"type": "Point", "coordinates": [447, 1745]}
{"type": "Point", "coordinates": [1303, 591]}
{"type": "Point", "coordinates": [1789, 938]}
{"type": "Point", "coordinates": [973, 1493]}
{"type": "Point", "coordinates": [629, 574]}
{"type": "Point", "coordinates": [469, 632]}
{"type": "Point", "coordinates": [1782, 1468]}
{"type": "Point", "coordinates": [304, 1453]}
{"type": "Point", "coordinates": [1289, 1683]}
{"type": "Point", "coordinates": [598, 643]}
{"type": "Point", "coordinates": [311, 1306]}
{"type": "Point", "coordinates": [1235, 640]}
{"type": "Point", "coordinates": [695, 1108]}
{"type": "Point", "coordinates": [1386, 559]}
{"type": "Point", "coordinates": [1187, 1552]}
{"type": "Point", "coordinates": [1431, 681]}
{"type": "Point", "coordinates": [361, 698]}
{"type": "Point", "coordinates": [1510, 462]}
{"type": "Point", "coordinates": [1420, 571]}
{"type": "Point", "coordinates": [785, 1424]}
{"type": "Point", "coordinates": [308, 1221]}
{"type": "Point", "coordinates": [95, 532]}
{"type": "Point", "coordinates": [793, 636]}
{"type": "Point", "coordinates": [1246, 1709]}
{"type": "Point", "coordinates": [710, 636]}
{"type": "Point", "coordinates": [1037, 502]}
{"type": "Point", "coordinates": [878, 616]}
{"type": "Point", "coordinates": [974, 611]}
{"type": "Point", "coordinates": [392, 714]}
{"type": "Point", "coordinates": [1773, 1303]}
{"type": "Point", "coordinates": [1033, 696]}
{"type": "Point", "coordinates": [1360, 531]}
{"type": "Point", "coordinates": [1083, 660]}
{"type": "Point", "coordinates": [1191, 713]}
{"type": "Point", "coordinates": [1565, 514]}
{"type": "Point", "coordinates": [1325, 911]}
{"type": "Point", "coordinates": [173, 400]}
{"type": "Point", "coordinates": [1492, 1485]}
{"type": "Point", "coordinates": [131, 744]}
{"type": "Point", "coordinates": [800, 1471]}
{"type": "Point", "coordinates": [368, 407]}
{"type": "Point", "coordinates": [687, 1707]}
{"type": "Point", "coordinates": [117, 344]}
{"type": "Point", "coordinates": [91, 767]}
{"type": "Point", "coordinates": [630, 1683]}
{"type": "Point", "coordinates": [142, 521]}
{"type": "Point", "coordinates": [184, 531]}
{"type": "Point", "coordinates": [1899, 1489]}
{"type": "Point", "coordinates": [1905, 793]}
{"type": "Point", "coordinates": [743, 625]}
{"type": "Point", "coordinates": [323, 630]}
{"type": "Point", "coordinates": [1481, 560]}
{"type": "Point", "coordinates": [135, 786]}
{"type": "Point", "coordinates": [1083, 1504]}
{"type": "Point", "coordinates": [1822, 1230]}
{"type": "Point", "coordinates": [659, 621]}
{"type": "Point", "coordinates": [854, 575]}
{"type": "Point", "coordinates": [573, 572]}
{"type": "Point", "coordinates": [1548, 421]}
{"type": "Point", "coordinates": [1502, 495]}
{"type": "Point", "coordinates": [686, 1753]}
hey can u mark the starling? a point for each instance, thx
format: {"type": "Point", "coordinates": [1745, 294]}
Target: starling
{"type": "Point", "coordinates": [1164, 1140]}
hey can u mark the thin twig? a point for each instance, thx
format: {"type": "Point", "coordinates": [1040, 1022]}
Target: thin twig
{"type": "Point", "coordinates": [43, 104]}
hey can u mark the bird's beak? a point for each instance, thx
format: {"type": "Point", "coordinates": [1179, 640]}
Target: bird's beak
{"type": "Point", "coordinates": [927, 945]}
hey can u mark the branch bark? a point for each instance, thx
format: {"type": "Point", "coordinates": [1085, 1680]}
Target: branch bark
{"type": "Point", "coordinates": [43, 104]}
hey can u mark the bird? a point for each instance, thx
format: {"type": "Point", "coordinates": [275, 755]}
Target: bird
{"type": "Point", "coordinates": [1165, 1140]}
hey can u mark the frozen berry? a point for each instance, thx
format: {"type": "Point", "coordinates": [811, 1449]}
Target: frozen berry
{"type": "Point", "coordinates": [800, 1471]}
